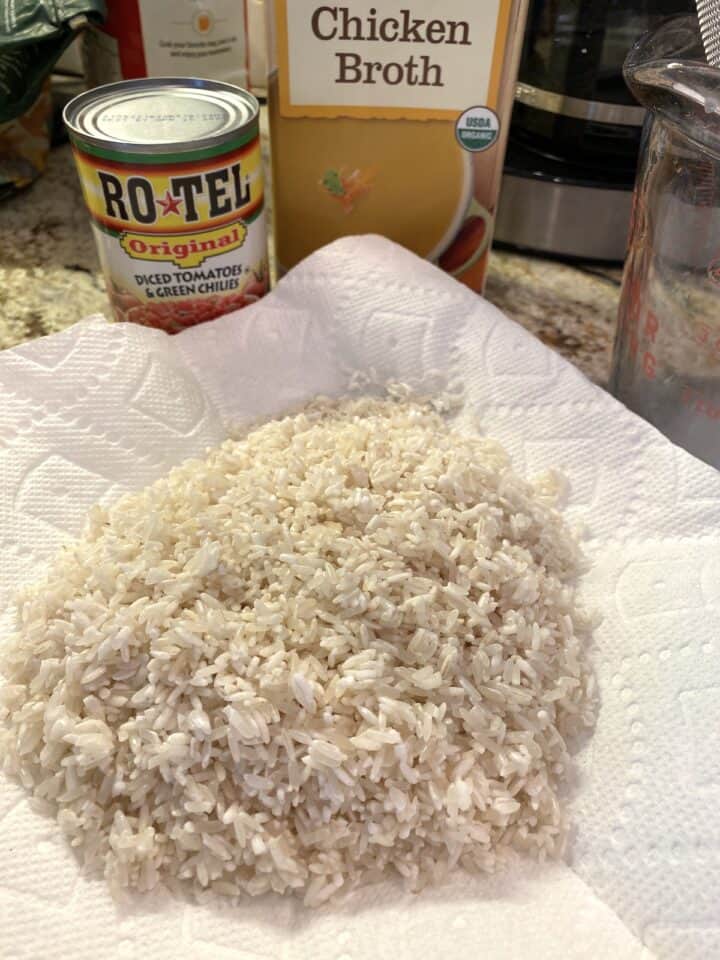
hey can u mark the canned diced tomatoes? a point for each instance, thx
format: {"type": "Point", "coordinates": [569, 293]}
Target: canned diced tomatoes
{"type": "Point", "coordinates": [171, 171]}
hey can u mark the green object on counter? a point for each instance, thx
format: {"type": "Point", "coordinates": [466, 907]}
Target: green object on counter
{"type": "Point", "coordinates": [33, 34]}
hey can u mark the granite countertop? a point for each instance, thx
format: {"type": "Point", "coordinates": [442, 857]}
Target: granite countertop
{"type": "Point", "coordinates": [50, 277]}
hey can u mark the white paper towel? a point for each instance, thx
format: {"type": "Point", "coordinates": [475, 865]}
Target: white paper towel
{"type": "Point", "coordinates": [101, 409]}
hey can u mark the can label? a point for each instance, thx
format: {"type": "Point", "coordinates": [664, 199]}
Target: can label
{"type": "Point", "coordinates": [148, 38]}
{"type": "Point", "coordinates": [181, 239]}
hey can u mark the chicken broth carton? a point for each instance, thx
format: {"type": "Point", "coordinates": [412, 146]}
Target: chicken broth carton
{"type": "Point", "coordinates": [391, 118]}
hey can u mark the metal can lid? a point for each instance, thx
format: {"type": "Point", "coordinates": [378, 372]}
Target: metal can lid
{"type": "Point", "coordinates": [154, 115]}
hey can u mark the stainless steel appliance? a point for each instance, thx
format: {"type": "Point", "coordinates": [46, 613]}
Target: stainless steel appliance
{"type": "Point", "coordinates": [576, 128]}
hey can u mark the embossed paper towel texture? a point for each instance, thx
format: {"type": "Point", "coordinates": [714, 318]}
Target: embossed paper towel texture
{"type": "Point", "coordinates": [101, 409]}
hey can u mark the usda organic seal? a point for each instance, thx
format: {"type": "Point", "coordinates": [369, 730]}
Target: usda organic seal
{"type": "Point", "coordinates": [477, 129]}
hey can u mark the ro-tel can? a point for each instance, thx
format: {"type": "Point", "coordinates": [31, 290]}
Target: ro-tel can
{"type": "Point", "coordinates": [172, 176]}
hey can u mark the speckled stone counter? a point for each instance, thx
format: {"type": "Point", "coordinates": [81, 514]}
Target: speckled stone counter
{"type": "Point", "coordinates": [49, 277]}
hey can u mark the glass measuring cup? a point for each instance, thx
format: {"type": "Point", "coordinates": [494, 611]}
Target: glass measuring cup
{"type": "Point", "coordinates": [666, 362]}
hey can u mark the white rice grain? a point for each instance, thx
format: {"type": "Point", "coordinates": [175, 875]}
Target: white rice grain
{"type": "Point", "coordinates": [345, 644]}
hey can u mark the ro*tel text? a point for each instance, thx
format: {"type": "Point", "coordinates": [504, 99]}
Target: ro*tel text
{"type": "Point", "coordinates": [134, 200]}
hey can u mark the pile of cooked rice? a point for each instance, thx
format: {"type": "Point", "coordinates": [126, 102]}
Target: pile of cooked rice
{"type": "Point", "coordinates": [345, 643]}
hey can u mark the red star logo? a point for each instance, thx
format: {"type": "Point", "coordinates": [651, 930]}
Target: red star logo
{"type": "Point", "coordinates": [169, 204]}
